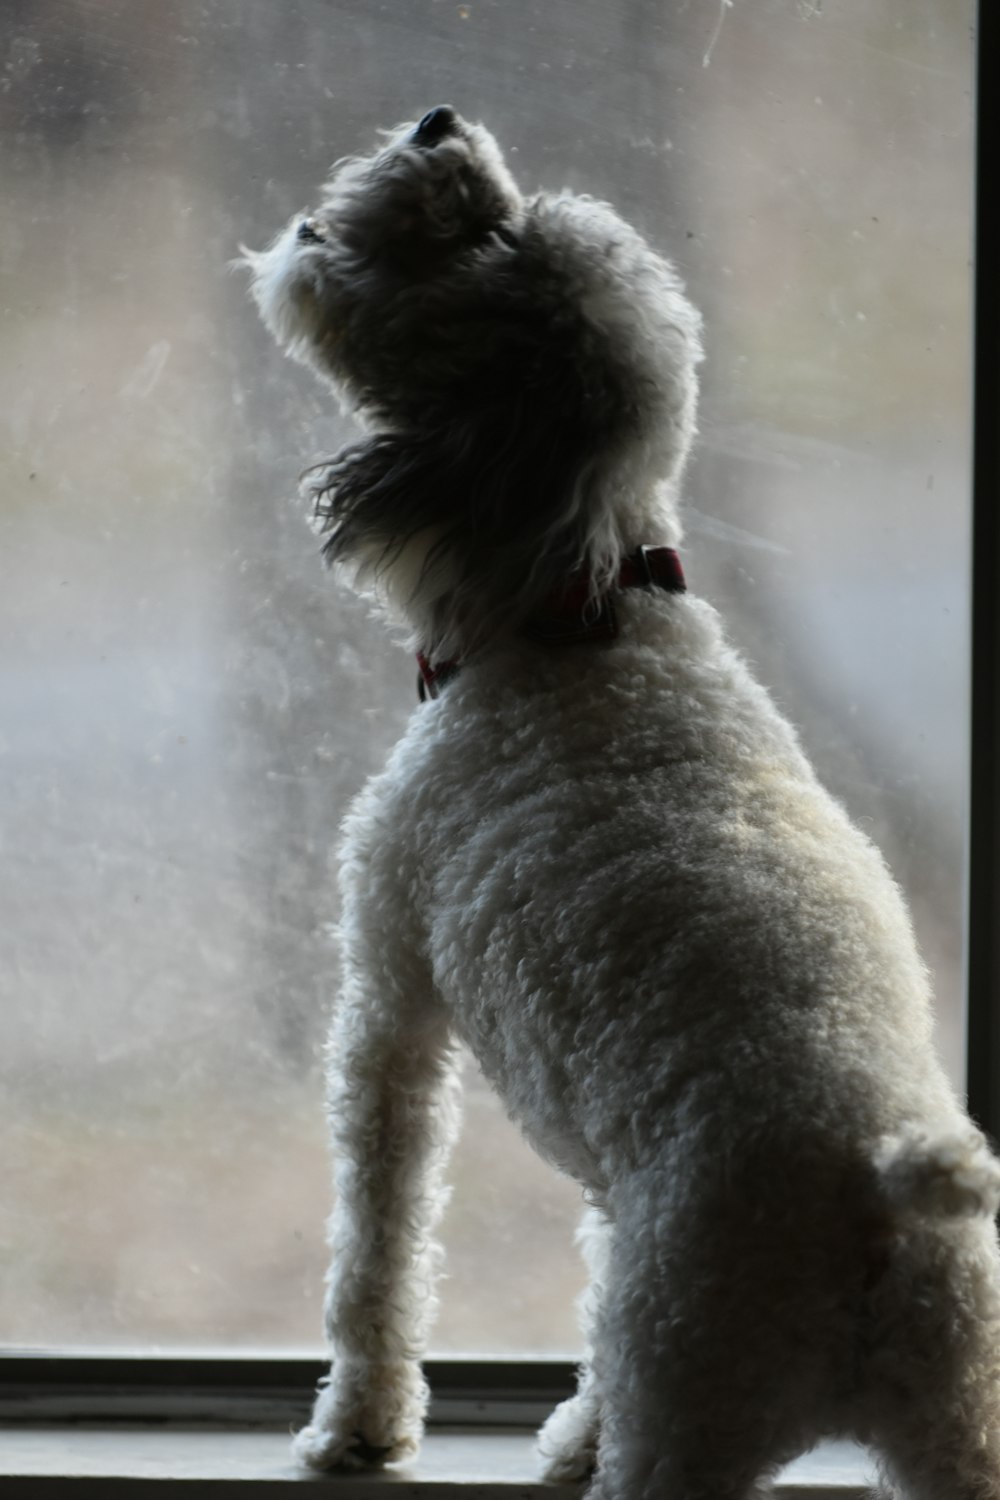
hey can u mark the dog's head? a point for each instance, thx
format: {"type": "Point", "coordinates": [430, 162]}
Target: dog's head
{"type": "Point", "coordinates": [525, 369]}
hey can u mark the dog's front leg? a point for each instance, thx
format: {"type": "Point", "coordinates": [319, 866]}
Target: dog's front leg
{"type": "Point", "coordinates": [567, 1444]}
{"type": "Point", "coordinates": [393, 1104]}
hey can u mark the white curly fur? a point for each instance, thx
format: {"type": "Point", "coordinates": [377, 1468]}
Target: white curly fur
{"type": "Point", "coordinates": [612, 873]}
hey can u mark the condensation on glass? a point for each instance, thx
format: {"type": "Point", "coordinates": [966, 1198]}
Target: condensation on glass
{"type": "Point", "coordinates": [187, 702]}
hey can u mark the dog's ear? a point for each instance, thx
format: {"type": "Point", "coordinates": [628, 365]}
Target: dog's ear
{"type": "Point", "coordinates": [498, 507]}
{"type": "Point", "coordinates": [373, 497]}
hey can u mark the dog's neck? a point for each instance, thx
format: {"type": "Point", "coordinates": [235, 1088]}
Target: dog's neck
{"type": "Point", "coordinates": [572, 613]}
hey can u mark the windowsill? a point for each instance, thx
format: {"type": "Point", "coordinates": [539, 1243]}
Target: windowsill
{"type": "Point", "coordinates": [139, 1425]}
{"type": "Point", "coordinates": [38, 1461]}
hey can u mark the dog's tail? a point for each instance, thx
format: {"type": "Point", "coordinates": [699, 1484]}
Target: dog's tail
{"type": "Point", "coordinates": [953, 1175]}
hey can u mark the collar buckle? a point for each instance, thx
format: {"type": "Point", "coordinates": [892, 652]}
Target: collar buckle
{"type": "Point", "coordinates": [644, 567]}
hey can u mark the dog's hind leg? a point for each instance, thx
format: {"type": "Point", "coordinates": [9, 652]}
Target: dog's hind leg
{"type": "Point", "coordinates": [567, 1444]}
{"type": "Point", "coordinates": [702, 1399]}
{"type": "Point", "coordinates": [933, 1374]}
{"type": "Point", "coordinates": [393, 1108]}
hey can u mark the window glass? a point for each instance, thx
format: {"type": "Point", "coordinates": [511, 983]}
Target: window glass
{"type": "Point", "coordinates": [188, 703]}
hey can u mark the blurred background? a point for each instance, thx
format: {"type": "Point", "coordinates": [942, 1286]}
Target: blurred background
{"type": "Point", "coordinates": [187, 703]}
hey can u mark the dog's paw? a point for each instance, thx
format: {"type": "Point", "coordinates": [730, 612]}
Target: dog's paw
{"type": "Point", "coordinates": [326, 1448]}
{"type": "Point", "coordinates": [567, 1444]}
{"type": "Point", "coordinates": [364, 1424]}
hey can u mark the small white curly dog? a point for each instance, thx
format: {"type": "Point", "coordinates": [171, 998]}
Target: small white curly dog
{"type": "Point", "coordinates": [599, 858]}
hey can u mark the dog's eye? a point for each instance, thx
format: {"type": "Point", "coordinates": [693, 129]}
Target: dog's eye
{"type": "Point", "coordinates": [307, 235]}
{"type": "Point", "coordinates": [435, 125]}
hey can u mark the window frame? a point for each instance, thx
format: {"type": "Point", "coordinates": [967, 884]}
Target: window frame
{"type": "Point", "coordinates": [983, 869]}
{"type": "Point", "coordinates": [58, 1387]}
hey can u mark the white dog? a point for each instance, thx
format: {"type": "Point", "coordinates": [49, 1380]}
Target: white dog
{"type": "Point", "coordinates": [600, 859]}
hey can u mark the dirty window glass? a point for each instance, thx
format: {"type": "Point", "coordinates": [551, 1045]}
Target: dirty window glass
{"type": "Point", "coordinates": [186, 703]}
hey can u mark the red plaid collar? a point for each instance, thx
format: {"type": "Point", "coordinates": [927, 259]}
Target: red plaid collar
{"type": "Point", "coordinates": [569, 615]}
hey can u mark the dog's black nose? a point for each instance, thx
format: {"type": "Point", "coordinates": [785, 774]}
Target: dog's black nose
{"type": "Point", "coordinates": [435, 125]}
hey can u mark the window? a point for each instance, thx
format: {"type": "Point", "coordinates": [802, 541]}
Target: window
{"type": "Point", "coordinates": [187, 703]}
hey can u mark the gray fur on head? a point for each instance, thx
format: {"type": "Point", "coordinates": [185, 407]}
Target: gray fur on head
{"type": "Point", "coordinates": [524, 367]}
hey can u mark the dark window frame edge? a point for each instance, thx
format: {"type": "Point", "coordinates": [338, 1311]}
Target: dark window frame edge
{"type": "Point", "coordinates": [983, 897]}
